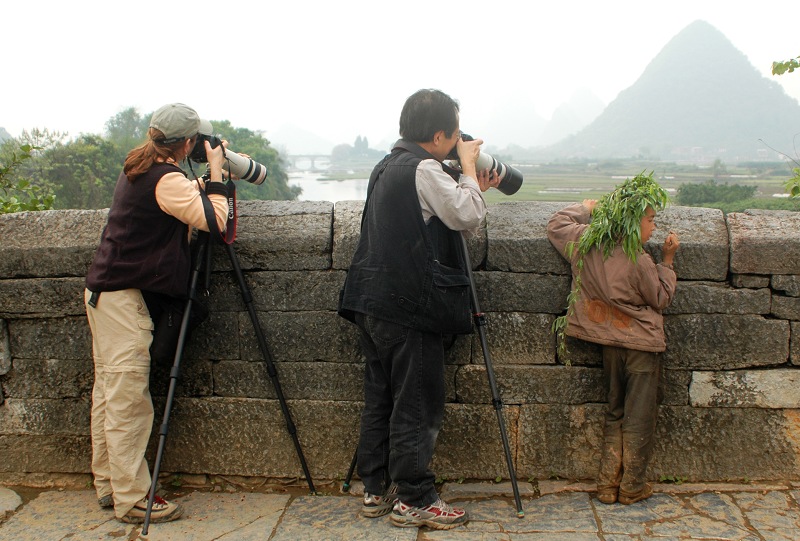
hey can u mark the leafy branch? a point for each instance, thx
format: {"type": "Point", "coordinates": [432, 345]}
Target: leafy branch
{"type": "Point", "coordinates": [21, 195]}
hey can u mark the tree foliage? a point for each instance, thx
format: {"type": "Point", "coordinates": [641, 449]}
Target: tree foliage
{"type": "Point", "coordinates": [19, 194]}
{"type": "Point", "coordinates": [711, 191]}
{"type": "Point", "coordinates": [779, 68]}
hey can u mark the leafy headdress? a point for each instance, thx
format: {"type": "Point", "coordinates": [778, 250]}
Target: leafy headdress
{"type": "Point", "coordinates": [616, 220]}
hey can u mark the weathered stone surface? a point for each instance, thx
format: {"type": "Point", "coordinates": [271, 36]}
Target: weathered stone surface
{"type": "Point", "coordinates": [517, 338]}
{"type": "Point", "coordinates": [346, 232]}
{"type": "Point", "coordinates": [702, 443]}
{"type": "Point", "coordinates": [217, 338]}
{"type": "Point", "coordinates": [703, 254]}
{"type": "Point", "coordinates": [51, 453]}
{"type": "Point", "coordinates": [282, 235]}
{"type": "Point", "coordinates": [5, 348]}
{"type": "Point", "coordinates": [277, 290]}
{"type": "Point", "coordinates": [237, 436]}
{"type": "Point", "coordinates": [675, 387]}
{"type": "Point", "coordinates": [44, 417]}
{"type": "Point", "coordinates": [581, 353]}
{"type": "Point", "coordinates": [50, 378]}
{"type": "Point", "coordinates": [788, 284]}
{"type": "Point", "coordinates": [49, 338]}
{"type": "Point", "coordinates": [764, 242]}
{"type": "Point", "coordinates": [298, 381]}
{"type": "Point", "coordinates": [786, 307]}
{"type": "Point", "coordinates": [718, 298]}
{"type": "Point", "coordinates": [522, 292]}
{"type": "Point", "coordinates": [49, 243]}
{"type": "Point", "coordinates": [725, 342]}
{"type": "Point", "coordinates": [42, 297]}
{"type": "Point", "coordinates": [301, 336]}
{"type": "Point", "coordinates": [560, 440]}
{"type": "Point", "coordinates": [795, 343]}
{"type": "Point", "coordinates": [195, 379]}
{"type": "Point", "coordinates": [531, 384]}
{"type": "Point", "coordinates": [749, 280]}
{"type": "Point", "coordinates": [778, 388]}
{"type": "Point", "coordinates": [517, 237]}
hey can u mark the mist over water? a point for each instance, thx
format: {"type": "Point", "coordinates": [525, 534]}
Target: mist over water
{"type": "Point", "coordinates": [328, 190]}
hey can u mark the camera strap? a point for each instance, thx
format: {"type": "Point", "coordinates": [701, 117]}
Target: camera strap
{"type": "Point", "coordinates": [229, 191]}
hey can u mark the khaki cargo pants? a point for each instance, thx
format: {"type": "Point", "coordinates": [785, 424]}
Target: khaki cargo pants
{"type": "Point", "coordinates": [122, 410]}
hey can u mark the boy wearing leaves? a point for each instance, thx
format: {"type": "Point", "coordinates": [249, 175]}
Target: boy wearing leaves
{"type": "Point", "coordinates": [618, 293]}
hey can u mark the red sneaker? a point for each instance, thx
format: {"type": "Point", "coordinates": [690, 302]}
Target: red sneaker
{"type": "Point", "coordinates": [439, 516]}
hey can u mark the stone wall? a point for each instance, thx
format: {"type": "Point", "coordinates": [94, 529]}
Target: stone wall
{"type": "Point", "coordinates": [731, 408]}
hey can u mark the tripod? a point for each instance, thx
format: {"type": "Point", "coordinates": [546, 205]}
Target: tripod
{"type": "Point", "coordinates": [497, 402]}
{"type": "Point", "coordinates": [203, 255]}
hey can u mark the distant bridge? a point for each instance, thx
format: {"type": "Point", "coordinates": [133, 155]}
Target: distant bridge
{"type": "Point", "coordinates": [311, 159]}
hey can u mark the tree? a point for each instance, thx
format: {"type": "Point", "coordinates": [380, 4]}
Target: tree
{"type": "Point", "coordinates": [127, 129]}
{"type": "Point", "coordinates": [779, 68]}
{"type": "Point", "coordinates": [20, 194]}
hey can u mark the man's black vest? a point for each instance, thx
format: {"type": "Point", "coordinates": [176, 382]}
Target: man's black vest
{"type": "Point", "coordinates": [142, 246]}
{"type": "Point", "coordinates": [403, 270]}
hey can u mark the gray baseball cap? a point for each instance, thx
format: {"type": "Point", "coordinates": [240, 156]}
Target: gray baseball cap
{"type": "Point", "coordinates": [176, 121]}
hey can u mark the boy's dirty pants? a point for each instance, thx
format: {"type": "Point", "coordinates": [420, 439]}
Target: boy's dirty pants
{"type": "Point", "coordinates": [122, 410]}
{"type": "Point", "coordinates": [633, 384]}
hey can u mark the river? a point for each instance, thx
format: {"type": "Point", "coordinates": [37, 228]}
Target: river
{"type": "Point", "coordinates": [328, 190]}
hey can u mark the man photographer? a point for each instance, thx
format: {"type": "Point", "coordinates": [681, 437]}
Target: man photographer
{"type": "Point", "coordinates": [143, 260]}
{"type": "Point", "coordinates": [408, 292]}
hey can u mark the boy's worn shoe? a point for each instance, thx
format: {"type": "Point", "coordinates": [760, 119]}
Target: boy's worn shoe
{"type": "Point", "coordinates": [646, 492]}
{"type": "Point", "coordinates": [106, 501]}
{"type": "Point", "coordinates": [162, 511]}
{"type": "Point", "coordinates": [607, 495]}
{"type": "Point", "coordinates": [439, 516]}
{"type": "Point", "coordinates": [376, 506]}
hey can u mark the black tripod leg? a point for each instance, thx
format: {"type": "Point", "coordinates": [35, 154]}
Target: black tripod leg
{"type": "Point", "coordinates": [349, 476]}
{"type": "Point", "coordinates": [173, 380]}
{"type": "Point", "coordinates": [247, 297]}
{"type": "Point", "coordinates": [480, 323]}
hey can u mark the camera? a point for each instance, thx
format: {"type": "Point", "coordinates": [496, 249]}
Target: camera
{"type": "Point", "coordinates": [510, 178]}
{"type": "Point", "coordinates": [241, 166]}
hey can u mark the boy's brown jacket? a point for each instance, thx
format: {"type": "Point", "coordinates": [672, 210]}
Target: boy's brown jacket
{"type": "Point", "coordinates": [620, 301]}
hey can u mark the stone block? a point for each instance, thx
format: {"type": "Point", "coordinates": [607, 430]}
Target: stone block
{"type": "Point", "coordinates": [764, 242]}
{"type": "Point", "coordinates": [776, 388]}
{"type": "Point", "coordinates": [786, 307]}
{"type": "Point", "coordinates": [531, 384]}
{"type": "Point", "coordinates": [560, 440]}
{"type": "Point", "coordinates": [517, 238]}
{"type": "Point", "coordinates": [42, 297]}
{"type": "Point", "coordinates": [754, 281]}
{"type": "Point", "coordinates": [469, 444]}
{"type": "Point", "coordinates": [45, 417]}
{"type": "Point", "coordinates": [50, 454]}
{"type": "Point", "coordinates": [238, 436]}
{"type": "Point", "coordinates": [725, 444]}
{"type": "Point", "coordinates": [517, 338]}
{"type": "Point", "coordinates": [346, 232]}
{"type": "Point", "coordinates": [522, 292]}
{"type": "Point", "coordinates": [195, 379]}
{"type": "Point", "coordinates": [789, 285]}
{"type": "Point", "coordinates": [281, 235]}
{"type": "Point", "coordinates": [298, 381]}
{"type": "Point", "coordinates": [675, 387]}
{"type": "Point", "coordinates": [218, 337]}
{"type": "Point", "coordinates": [724, 342]}
{"type": "Point", "coordinates": [581, 353]}
{"type": "Point", "coordinates": [703, 254]}
{"type": "Point", "coordinates": [50, 378]}
{"type": "Point", "coordinates": [5, 349]}
{"type": "Point", "coordinates": [301, 336]}
{"type": "Point", "coordinates": [718, 298]}
{"type": "Point", "coordinates": [50, 338]}
{"type": "Point", "coordinates": [795, 343]}
{"type": "Point", "coordinates": [50, 242]}
{"type": "Point", "coordinates": [277, 290]}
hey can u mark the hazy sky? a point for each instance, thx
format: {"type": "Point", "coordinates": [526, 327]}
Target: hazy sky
{"type": "Point", "coordinates": [344, 68]}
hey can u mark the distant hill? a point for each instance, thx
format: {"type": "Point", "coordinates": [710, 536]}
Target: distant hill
{"type": "Point", "coordinates": [698, 100]}
{"type": "Point", "coordinates": [4, 135]}
{"type": "Point", "coordinates": [296, 140]}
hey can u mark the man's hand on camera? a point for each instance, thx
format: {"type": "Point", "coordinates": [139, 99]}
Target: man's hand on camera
{"type": "Point", "coordinates": [487, 179]}
{"type": "Point", "coordinates": [468, 152]}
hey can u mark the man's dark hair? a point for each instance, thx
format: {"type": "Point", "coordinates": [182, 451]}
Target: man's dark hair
{"type": "Point", "coordinates": [426, 112]}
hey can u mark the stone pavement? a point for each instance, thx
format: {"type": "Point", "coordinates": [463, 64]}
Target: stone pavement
{"type": "Point", "coordinates": [554, 511]}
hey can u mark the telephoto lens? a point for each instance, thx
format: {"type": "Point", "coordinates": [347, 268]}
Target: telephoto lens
{"type": "Point", "coordinates": [510, 177]}
{"type": "Point", "coordinates": [241, 166]}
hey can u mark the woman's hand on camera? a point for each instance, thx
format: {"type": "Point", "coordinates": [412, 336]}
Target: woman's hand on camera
{"type": "Point", "coordinates": [215, 159]}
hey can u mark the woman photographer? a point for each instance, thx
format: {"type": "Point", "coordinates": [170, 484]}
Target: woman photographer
{"type": "Point", "coordinates": [143, 253]}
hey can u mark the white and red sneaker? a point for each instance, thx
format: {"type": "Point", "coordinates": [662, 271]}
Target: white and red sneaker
{"type": "Point", "coordinates": [439, 516]}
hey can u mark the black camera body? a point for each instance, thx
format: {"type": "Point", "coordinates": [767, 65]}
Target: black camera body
{"type": "Point", "coordinates": [241, 166]}
{"type": "Point", "coordinates": [510, 178]}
